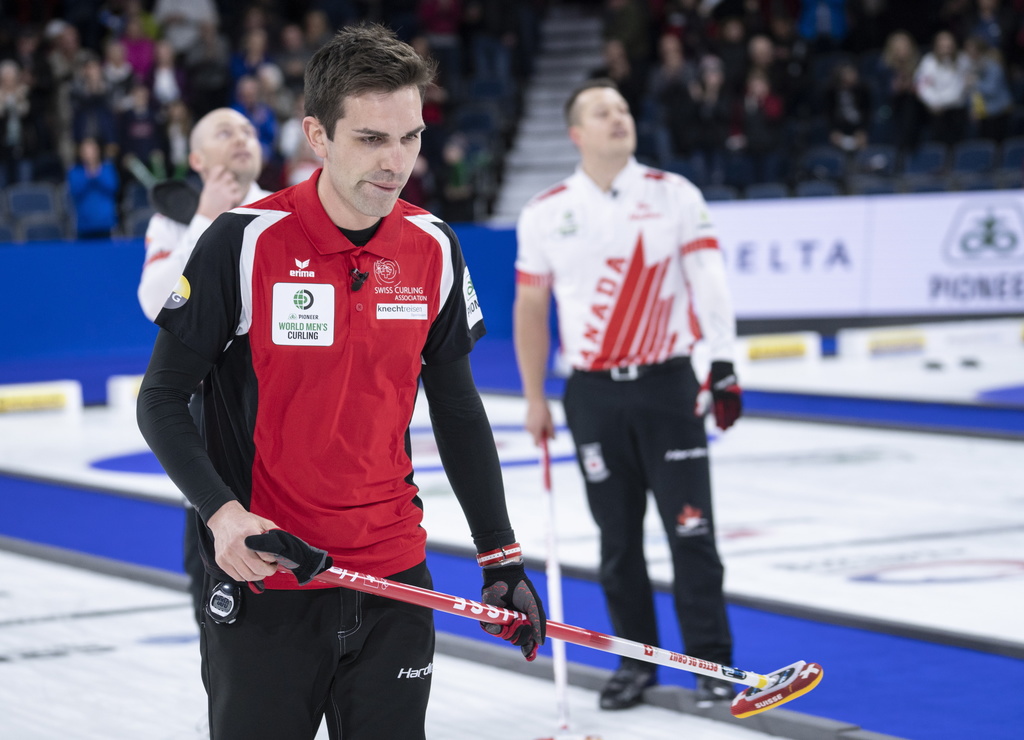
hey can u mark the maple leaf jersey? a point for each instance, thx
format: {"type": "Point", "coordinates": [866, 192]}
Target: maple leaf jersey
{"type": "Point", "coordinates": [636, 271]}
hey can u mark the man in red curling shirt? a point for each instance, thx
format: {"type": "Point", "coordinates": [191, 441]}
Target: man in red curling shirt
{"type": "Point", "coordinates": [310, 317]}
{"type": "Point", "coordinates": [632, 259]}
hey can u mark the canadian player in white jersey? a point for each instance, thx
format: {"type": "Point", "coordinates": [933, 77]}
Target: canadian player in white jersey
{"type": "Point", "coordinates": [615, 261]}
{"type": "Point", "coordinates": [631, 256]}
{"type": "Point", "coordinates": [224, 151]}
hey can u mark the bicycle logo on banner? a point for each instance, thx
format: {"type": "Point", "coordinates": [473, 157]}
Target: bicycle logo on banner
{"type": "Point", "coordinates": [993, 233]}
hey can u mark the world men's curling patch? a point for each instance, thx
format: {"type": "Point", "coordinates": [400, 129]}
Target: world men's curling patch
{"type": "Point", "coordinates": [303, 314]}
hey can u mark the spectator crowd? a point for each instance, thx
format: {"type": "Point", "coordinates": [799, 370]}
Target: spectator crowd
{"type": "Point", "coordinates": [744, 97]}
{"type": "Point", "coordinates": [97, 97]}
{"type": "Point", "coordinates": [824, 96]}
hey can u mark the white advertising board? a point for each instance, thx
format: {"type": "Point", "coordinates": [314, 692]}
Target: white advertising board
{"type": "Point", "coordinates": [949, 253]}
{"type": "Point", "coordinates": [941, 254]}
{"type": "Point", "coordinates": [793, 257]}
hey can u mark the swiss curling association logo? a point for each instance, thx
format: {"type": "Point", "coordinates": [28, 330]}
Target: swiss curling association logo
{"type": "Point", "coordinates": [386, 271]}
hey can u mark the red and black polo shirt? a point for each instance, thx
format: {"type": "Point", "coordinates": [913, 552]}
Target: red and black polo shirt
{"type": "Point", "coordinates": [308, 404]}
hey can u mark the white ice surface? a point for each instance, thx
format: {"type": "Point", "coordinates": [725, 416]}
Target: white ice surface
{"type": "Point", "coordinates": [908, 527]}
{"type": "Point", "coordinates": [93, 657]}
{"type": "Point", "coordinates": [900, 526]}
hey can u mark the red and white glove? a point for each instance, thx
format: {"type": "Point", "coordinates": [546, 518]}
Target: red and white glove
{"type": "Point", "coordinates": [721, 391]}
{"type": "Point", "coordinates": [509, 587]}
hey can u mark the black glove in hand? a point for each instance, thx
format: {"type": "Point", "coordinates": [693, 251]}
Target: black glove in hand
{"type": "Point", "coordinates": [726, 396]}
{"type": "Point", "coordinates": [298, 556]}
{"type": "Point", "coordinates": [508, 587]}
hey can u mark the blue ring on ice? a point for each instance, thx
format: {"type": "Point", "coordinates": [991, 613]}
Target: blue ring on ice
{"type": "Point", "coordinates": [146, 462]}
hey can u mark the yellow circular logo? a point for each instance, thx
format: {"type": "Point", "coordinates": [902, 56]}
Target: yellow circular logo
{"type": "Point", "coordinates": [180, 294]}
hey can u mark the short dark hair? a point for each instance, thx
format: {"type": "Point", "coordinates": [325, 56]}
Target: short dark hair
{"type": "Point", "coordinates": [570, 104]}
{"type": "Point", "coordinates": [361, 59]}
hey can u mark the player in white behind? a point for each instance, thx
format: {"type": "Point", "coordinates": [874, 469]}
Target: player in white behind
{"type": "Point", "coordinates": [632, 258]}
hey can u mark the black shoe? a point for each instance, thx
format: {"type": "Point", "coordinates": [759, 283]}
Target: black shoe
{"type": "Point", "coordinates": [711, 691]}
{"type": "Point", "coordinates": [626, 687]}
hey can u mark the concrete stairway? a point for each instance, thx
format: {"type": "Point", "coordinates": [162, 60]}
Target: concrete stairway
{"type": "Point", "coordinates": [542, 153]}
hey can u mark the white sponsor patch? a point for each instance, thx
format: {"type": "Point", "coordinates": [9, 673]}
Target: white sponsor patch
{"type": "Point", "coordinates": [303, 314]}
{"type": "Point", "coordinates": [416, 311]}
{"type": "Point", "coordinates": [696, 452]}
{"type": "Point", "coordinates": [473, 312]}
{"type": "Point", "coordinates": [593, 462]}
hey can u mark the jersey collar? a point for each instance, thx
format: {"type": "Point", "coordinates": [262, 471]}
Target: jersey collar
{"type": "Point", "coordinates": [623, 183]}
{"type": "Point", "coordinates": [327, 238]}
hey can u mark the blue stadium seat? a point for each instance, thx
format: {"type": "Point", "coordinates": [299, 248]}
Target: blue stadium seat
{"type": "Point", "coordinates": [1012, 153]}
{"type": "Point", "coordinates": [870, 185]}
{"type": "Point", "coordinates": [974, 155]}
{"type": "Point", "coordinates": [42, 228]}
{"type": "Point", "coordinates": [646, 144]}
{"type": "Point", "coordinates": [739, 170]}
{"type": "Point", "coordinates": [685, 167]}
{"type": "Point", "coordinates": [1010, 179]}
{"type": "Point", "coordinates": [719, 192]}
{"type": "Point", "coordinates": [766, 190]}
{"type": "Point", "coordinates": [823, 163]}
{"type": "Point", "coordinates": [498, 92]}
{"type": "Point", "coordinates": [922, 182]}
{"type": "Point", "coordinates": [816, 189]}
{"type": "Point", "coordinates": [490, 88]}
{"type": "Point", "coordinates": [25, 199]}
{"type": "Point", "coordinates": [976, 181]}
{"type": "Point", "coordinates": [477, 119]}
{"type": "Point", "coordinates": [928, 159]}
{"type": "Point", "coordinates": [876, 159]}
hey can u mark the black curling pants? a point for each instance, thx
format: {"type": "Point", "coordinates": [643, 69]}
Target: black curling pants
{"type": "Point", "coordinates": [636, 436]}
{"type": "Point", "coordinates": [293, 657]}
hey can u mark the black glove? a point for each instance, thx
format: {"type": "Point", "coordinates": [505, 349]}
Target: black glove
{"type": "Point", "coordinates": [726, 396]}
{"type": "Point", "coordinates": [508, 586]}
{"type": "Point", "coordinates": [301, 558]}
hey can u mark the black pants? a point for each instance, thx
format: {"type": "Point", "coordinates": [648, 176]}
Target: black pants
{"type": "Point", "coordinates": [193, 561]}
{"type": "Point", "coordinates": [294, 657]}
{"type": "Point", "coordinates": [635, 436]}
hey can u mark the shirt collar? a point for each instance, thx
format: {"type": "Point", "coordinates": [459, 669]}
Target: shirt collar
{"type": "Point", "coordinates": [327, 238]}
{"type": "Point", "coordinates": [623, 183]}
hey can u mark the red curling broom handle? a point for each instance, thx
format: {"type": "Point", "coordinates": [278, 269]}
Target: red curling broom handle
{"type": "Point", "coordinates": [566, 632]}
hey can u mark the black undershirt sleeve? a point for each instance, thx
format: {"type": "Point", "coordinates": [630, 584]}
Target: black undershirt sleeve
{"type": "Point", "coordinates": [174, 373]}
{"type": "Point", "coordinates": [465, 443]}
